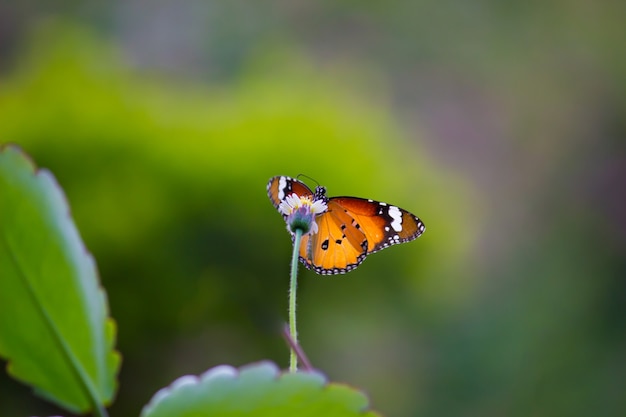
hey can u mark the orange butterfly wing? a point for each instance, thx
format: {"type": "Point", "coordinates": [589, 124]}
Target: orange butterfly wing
{"type": "Point", "coordinates": [351, 229]}
{"type": "Point", "coordinates": [338, 246]}
{"type": "Point", "coordinates": [280, 187]}
{"type": "Point", "coordinates": [383, 224]}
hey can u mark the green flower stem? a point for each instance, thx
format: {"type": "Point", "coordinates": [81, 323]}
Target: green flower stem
{"type": "Point", "coordinates": [293, 359]}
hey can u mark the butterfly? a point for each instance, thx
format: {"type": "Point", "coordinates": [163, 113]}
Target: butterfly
{"type": "Point", "coordinates": [348, 230]}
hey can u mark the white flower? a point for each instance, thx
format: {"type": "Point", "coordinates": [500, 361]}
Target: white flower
{"type": "Point", "coordinates": [300, 212]}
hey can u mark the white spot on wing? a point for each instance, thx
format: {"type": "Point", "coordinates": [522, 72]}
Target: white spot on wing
{"type": "Point", "coordinates": [396, 215]}
{"type": "Point", "coordinates": [282, 184]}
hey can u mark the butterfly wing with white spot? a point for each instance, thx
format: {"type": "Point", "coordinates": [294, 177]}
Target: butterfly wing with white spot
{"type": "Point", "coordinates": [280, 187]}
{"type": "Point", "coordinates": [383, 224]}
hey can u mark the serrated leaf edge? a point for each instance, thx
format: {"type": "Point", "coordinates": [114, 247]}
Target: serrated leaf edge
{"type": "Point", "coordinates": [232, 372]}
{"type": "Point", "coordinates": [84, 380]}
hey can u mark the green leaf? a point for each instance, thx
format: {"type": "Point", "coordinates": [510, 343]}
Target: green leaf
{"type": "Point", "coordinates": [257, 390]}
{"type": "Point", "coordinates": [54, 325]}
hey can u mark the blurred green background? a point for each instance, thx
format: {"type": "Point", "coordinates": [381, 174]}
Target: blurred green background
{"type": "Point", "coordinates": [501, 124]}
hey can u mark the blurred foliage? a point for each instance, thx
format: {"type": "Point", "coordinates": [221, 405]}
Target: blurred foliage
{"type": "Point", "coordinates": [167, 185]}
{"type": "Point", "coordinates": [511, 150]}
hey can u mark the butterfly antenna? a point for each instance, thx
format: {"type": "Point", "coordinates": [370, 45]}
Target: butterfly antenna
{"type": "Point", "coordinates": [307, 177]}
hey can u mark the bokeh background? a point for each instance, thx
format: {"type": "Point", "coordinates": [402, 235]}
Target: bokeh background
{"type": "Point", "coordinates": [501, 124]}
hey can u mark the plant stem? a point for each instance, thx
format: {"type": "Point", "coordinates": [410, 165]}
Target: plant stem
{"type": "Point", "coordinates": [293, 358]}
{"type": "Point", "coordinates": [302, 358]}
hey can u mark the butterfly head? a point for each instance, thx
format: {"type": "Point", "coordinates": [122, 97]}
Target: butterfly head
{"type": "Point", "coordinates": [320, 194]}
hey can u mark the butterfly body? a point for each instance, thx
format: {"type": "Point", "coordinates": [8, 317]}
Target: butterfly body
{"type": "Point", "coordinates": [348, 230]}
